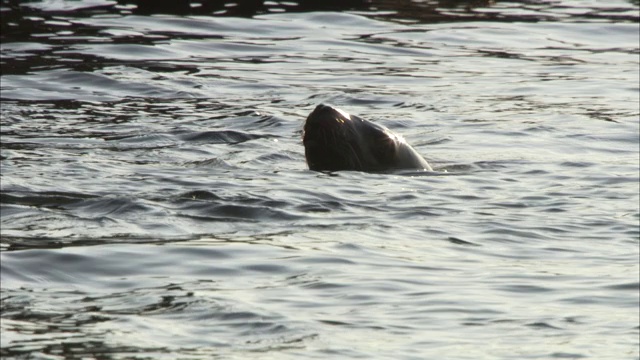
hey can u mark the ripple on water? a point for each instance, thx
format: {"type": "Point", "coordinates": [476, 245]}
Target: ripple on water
{"type": "Point", "coordinates": [155, 199]}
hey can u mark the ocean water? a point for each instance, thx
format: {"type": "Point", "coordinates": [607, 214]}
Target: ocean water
{"type": "Point", "coordinates": [156, 202]}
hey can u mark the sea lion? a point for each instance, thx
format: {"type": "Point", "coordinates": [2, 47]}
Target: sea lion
{"type": "Point", "coordinates": [334, 140]}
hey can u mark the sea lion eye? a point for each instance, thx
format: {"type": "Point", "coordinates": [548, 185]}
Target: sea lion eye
{"type": "Point", "coordinates": [343, 113]}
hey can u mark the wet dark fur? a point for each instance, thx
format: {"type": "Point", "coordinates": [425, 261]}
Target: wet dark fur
{"type": "Point", "coordinates": [334, 141]}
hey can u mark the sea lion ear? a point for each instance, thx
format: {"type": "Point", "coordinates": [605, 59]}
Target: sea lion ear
{"type": "Point", "coordinates": [383, 145]}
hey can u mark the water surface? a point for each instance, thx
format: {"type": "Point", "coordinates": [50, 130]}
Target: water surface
{"type": "Point", "coordinates": [156, 202]}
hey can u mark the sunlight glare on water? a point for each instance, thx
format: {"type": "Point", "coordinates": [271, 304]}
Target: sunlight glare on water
{"type": "Point", "coordinates": [156, 202]}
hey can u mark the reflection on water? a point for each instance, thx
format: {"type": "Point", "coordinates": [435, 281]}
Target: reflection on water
{"type": "Point", "coordinates": [156, 201]}
{"type": "Point", "coordinates": [431, 11]}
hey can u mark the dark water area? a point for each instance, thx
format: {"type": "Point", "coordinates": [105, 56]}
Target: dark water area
{"type": "Point", "coordinates": [156, 203]}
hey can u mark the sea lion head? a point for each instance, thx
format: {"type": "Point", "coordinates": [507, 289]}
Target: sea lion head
{"type": "Point", "coordinates": [335, 140]}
